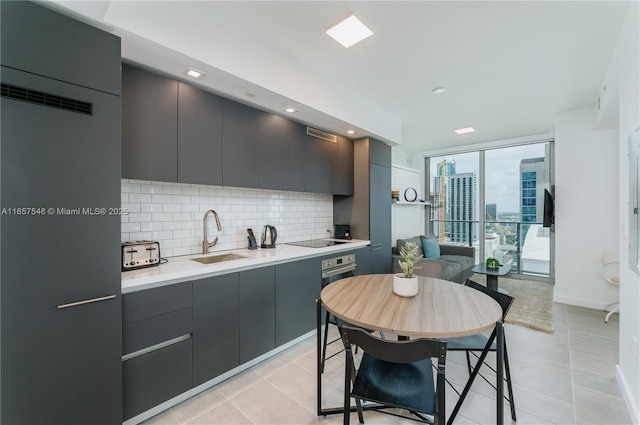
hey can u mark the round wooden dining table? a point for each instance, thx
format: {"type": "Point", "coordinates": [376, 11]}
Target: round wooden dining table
{"type": "Point", "coordinates": [442, 309]}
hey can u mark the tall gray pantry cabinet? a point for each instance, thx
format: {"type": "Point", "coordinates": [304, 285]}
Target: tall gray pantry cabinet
{"type": "Point", "coordinates": [59, 193]}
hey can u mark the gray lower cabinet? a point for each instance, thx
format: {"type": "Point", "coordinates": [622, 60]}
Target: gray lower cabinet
{"type": "Point", "coordinates": [240, 144]}
{"type": "Point", "coordinates": [297, 288]}
{"type": "Point", "coordinates": [257, 312]}
{"type": "Point", "coordinates": [363, 260]}
{"type": "Point", "coordinates": [149, 125]}
{"type": "Point", "coordinates": [156, 377]}
{"type": "Point", "coordinates": [380, 258]}
{"type": "Point", "coordinates": [216, 332]}
{"type": "Point", "coordinates": [157, 346]}
{"type": "Point", "coordinates": [199, 136]}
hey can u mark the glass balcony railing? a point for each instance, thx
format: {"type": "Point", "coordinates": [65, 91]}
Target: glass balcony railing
{"type": "Point", "coordinates": [523, 245]}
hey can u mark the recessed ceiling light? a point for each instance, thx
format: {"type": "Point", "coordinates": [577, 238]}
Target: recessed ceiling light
{"type": "Point", "coordinates": [290, 110]}
{"type": "Point", "coordinates": [191, 72]}
{"type": "Point", "coordinates": [439, 90]}
{"type": "Point", "coordinates": [465, 130]}
{"type": "Point", "coordinates": [349, 32]}
{"type": "Point", "coordinates": [351, 132]}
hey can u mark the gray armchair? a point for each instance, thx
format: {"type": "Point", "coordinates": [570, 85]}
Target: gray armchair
{"type": "Point", "coordinates": [455, 262]}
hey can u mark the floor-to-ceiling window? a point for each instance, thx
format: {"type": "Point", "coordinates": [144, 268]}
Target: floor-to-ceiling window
{"type": "Point", "coordinates": [501, 191]}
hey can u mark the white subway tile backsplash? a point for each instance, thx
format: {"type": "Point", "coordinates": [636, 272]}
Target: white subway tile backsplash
{"type": "Point", "coordinates": [148, 188]}
{"type": "Point", "coordinates": [150, 226]}
{"type": "Point", "coordinates": [171, 190]}
{"type": "Point", "coordinates": [139, 217]}
{"type": "Point", "coordinates": [162, 216]}
{"type": "Point", "coordinates": [139, 197]}
{"type": "Point", "coordinates": [129, 227]}
{"type": "Point", "coordinates": [172, 208]}
{"type": "Point", "coordinates": [173, 212]}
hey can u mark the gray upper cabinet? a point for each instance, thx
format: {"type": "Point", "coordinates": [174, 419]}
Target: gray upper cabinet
{"type": "Point", "coordinates": [199, 136]}
{"type": "Point", "coordinates": [174, 132]}
{"type": "Point", "coordinates": [322, 165]}
{"type": "Point", "coordinates": [317, 176]}
{"type": "Point", "coordinates": [149, 126]}
{"type": "Point", "coordinates": [293, 154]}
{"type": "Point", "coordinates": [239, 144]}
{"type": "Point", "coordinates": [66, 51]}
{"type": "Point", "coordinates": [270, 150]}
{"type": "Point", "coordinates": [343, 183]}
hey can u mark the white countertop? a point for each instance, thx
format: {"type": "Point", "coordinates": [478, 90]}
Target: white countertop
{"type": "Point", "coordinates": [180, 269]}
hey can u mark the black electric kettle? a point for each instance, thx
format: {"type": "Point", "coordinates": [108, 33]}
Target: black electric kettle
{"type": "Point", "coordinates": [269, 236]}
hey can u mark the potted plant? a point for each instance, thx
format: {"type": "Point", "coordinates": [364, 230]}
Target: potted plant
{"type": "Point", "coordinates": [405, 284]}
{"type": "Point", "coordinates": [492, 263]}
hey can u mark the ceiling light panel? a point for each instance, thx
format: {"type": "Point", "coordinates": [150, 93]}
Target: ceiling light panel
{"type": "Point", "coordinates": [192, 72]}
{"type": "Point", "coordinates": [465, 130]}
{"type": "Point", "coordinates": [349, 32]}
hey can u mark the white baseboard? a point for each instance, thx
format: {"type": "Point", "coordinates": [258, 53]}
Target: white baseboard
{"type": "Point", "coordinates": [632, 406]}
{"type": "Point", "coordinates": [581, 302]}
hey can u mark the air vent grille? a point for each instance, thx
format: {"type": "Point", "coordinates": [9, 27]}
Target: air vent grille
{"type": "Point", "coordinates": [46, 99]}
{"type": "Point", "coordinates": [322, 135]}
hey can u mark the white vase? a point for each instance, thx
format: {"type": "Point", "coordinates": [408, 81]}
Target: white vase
{"type": "Point", "coordinates": [405, 286]}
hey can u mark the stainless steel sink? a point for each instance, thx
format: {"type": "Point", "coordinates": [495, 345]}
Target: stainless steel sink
{"type": "Point", "coordinates": [218, 258]}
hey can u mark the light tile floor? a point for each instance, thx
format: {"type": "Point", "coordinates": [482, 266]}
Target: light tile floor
{"type": "Point", "coordinates": [567, 377]}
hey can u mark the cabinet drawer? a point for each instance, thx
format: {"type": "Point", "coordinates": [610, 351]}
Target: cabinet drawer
{"type": "Point", "coordinates": [149, 332]}
{"type": "Point", "coordinates": [156, 377]}
{"type": "Point", "coordinates": [155, 302]}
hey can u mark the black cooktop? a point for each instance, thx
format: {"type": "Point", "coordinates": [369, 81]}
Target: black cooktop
{"type": "Point", "coordinates": [316, 243]}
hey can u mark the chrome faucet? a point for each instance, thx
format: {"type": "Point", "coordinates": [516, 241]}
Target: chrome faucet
{"type": "Point", "coordinates": [206, 244]}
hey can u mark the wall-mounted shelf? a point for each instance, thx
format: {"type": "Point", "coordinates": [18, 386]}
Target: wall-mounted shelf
{"type": "Point", "coordinates": [409, 203]}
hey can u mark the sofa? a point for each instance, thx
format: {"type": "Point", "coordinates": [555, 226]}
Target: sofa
{"type": "Point", "coordinates": [455, 262]}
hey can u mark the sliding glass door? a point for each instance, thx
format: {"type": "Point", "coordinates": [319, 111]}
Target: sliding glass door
{"type": "Point", "coordinates": [500, 191]}
{"type": "Point", "coordinates": [454, 198]}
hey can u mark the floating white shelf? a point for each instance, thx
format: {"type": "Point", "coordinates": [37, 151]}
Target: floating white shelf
{"type": "Point", "coordinates": [409, 203]}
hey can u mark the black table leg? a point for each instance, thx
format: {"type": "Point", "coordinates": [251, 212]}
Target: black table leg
{"type": "Point", "coordinates": [492, 282]}
{"type": "Point", "coordinates": [500, 371]}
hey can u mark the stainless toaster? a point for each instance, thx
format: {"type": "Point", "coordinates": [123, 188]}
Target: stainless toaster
{"type": "Point", "coordinates": [138, 254]}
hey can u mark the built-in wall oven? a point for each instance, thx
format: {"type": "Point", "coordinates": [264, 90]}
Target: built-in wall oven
{"type": "Point", "coordinates": [333, 269]}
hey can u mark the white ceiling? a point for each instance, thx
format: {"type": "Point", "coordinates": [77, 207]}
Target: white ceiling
{"type": "Point", "coordinates": [508, 66]}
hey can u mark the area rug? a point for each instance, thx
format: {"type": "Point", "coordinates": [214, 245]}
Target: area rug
{"type": "Point", "coordinates": [533, 302]}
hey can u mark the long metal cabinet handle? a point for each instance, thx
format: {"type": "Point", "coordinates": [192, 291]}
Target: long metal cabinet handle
{"type": "Point", "coordinates": [92, 300]}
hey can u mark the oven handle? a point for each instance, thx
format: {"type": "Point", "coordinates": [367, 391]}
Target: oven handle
{"type": "Point", "coordinates": [339, 270]}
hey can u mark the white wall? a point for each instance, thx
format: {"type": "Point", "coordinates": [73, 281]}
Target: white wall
{"type": "Point", "coordinates": [172, 214]}
{"type": "Point", "coordinates": [406, 220]}
{"type": "Point", "coordinates": [586, 208]}
{"type": "Point", "coordinates": [625, 69]}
